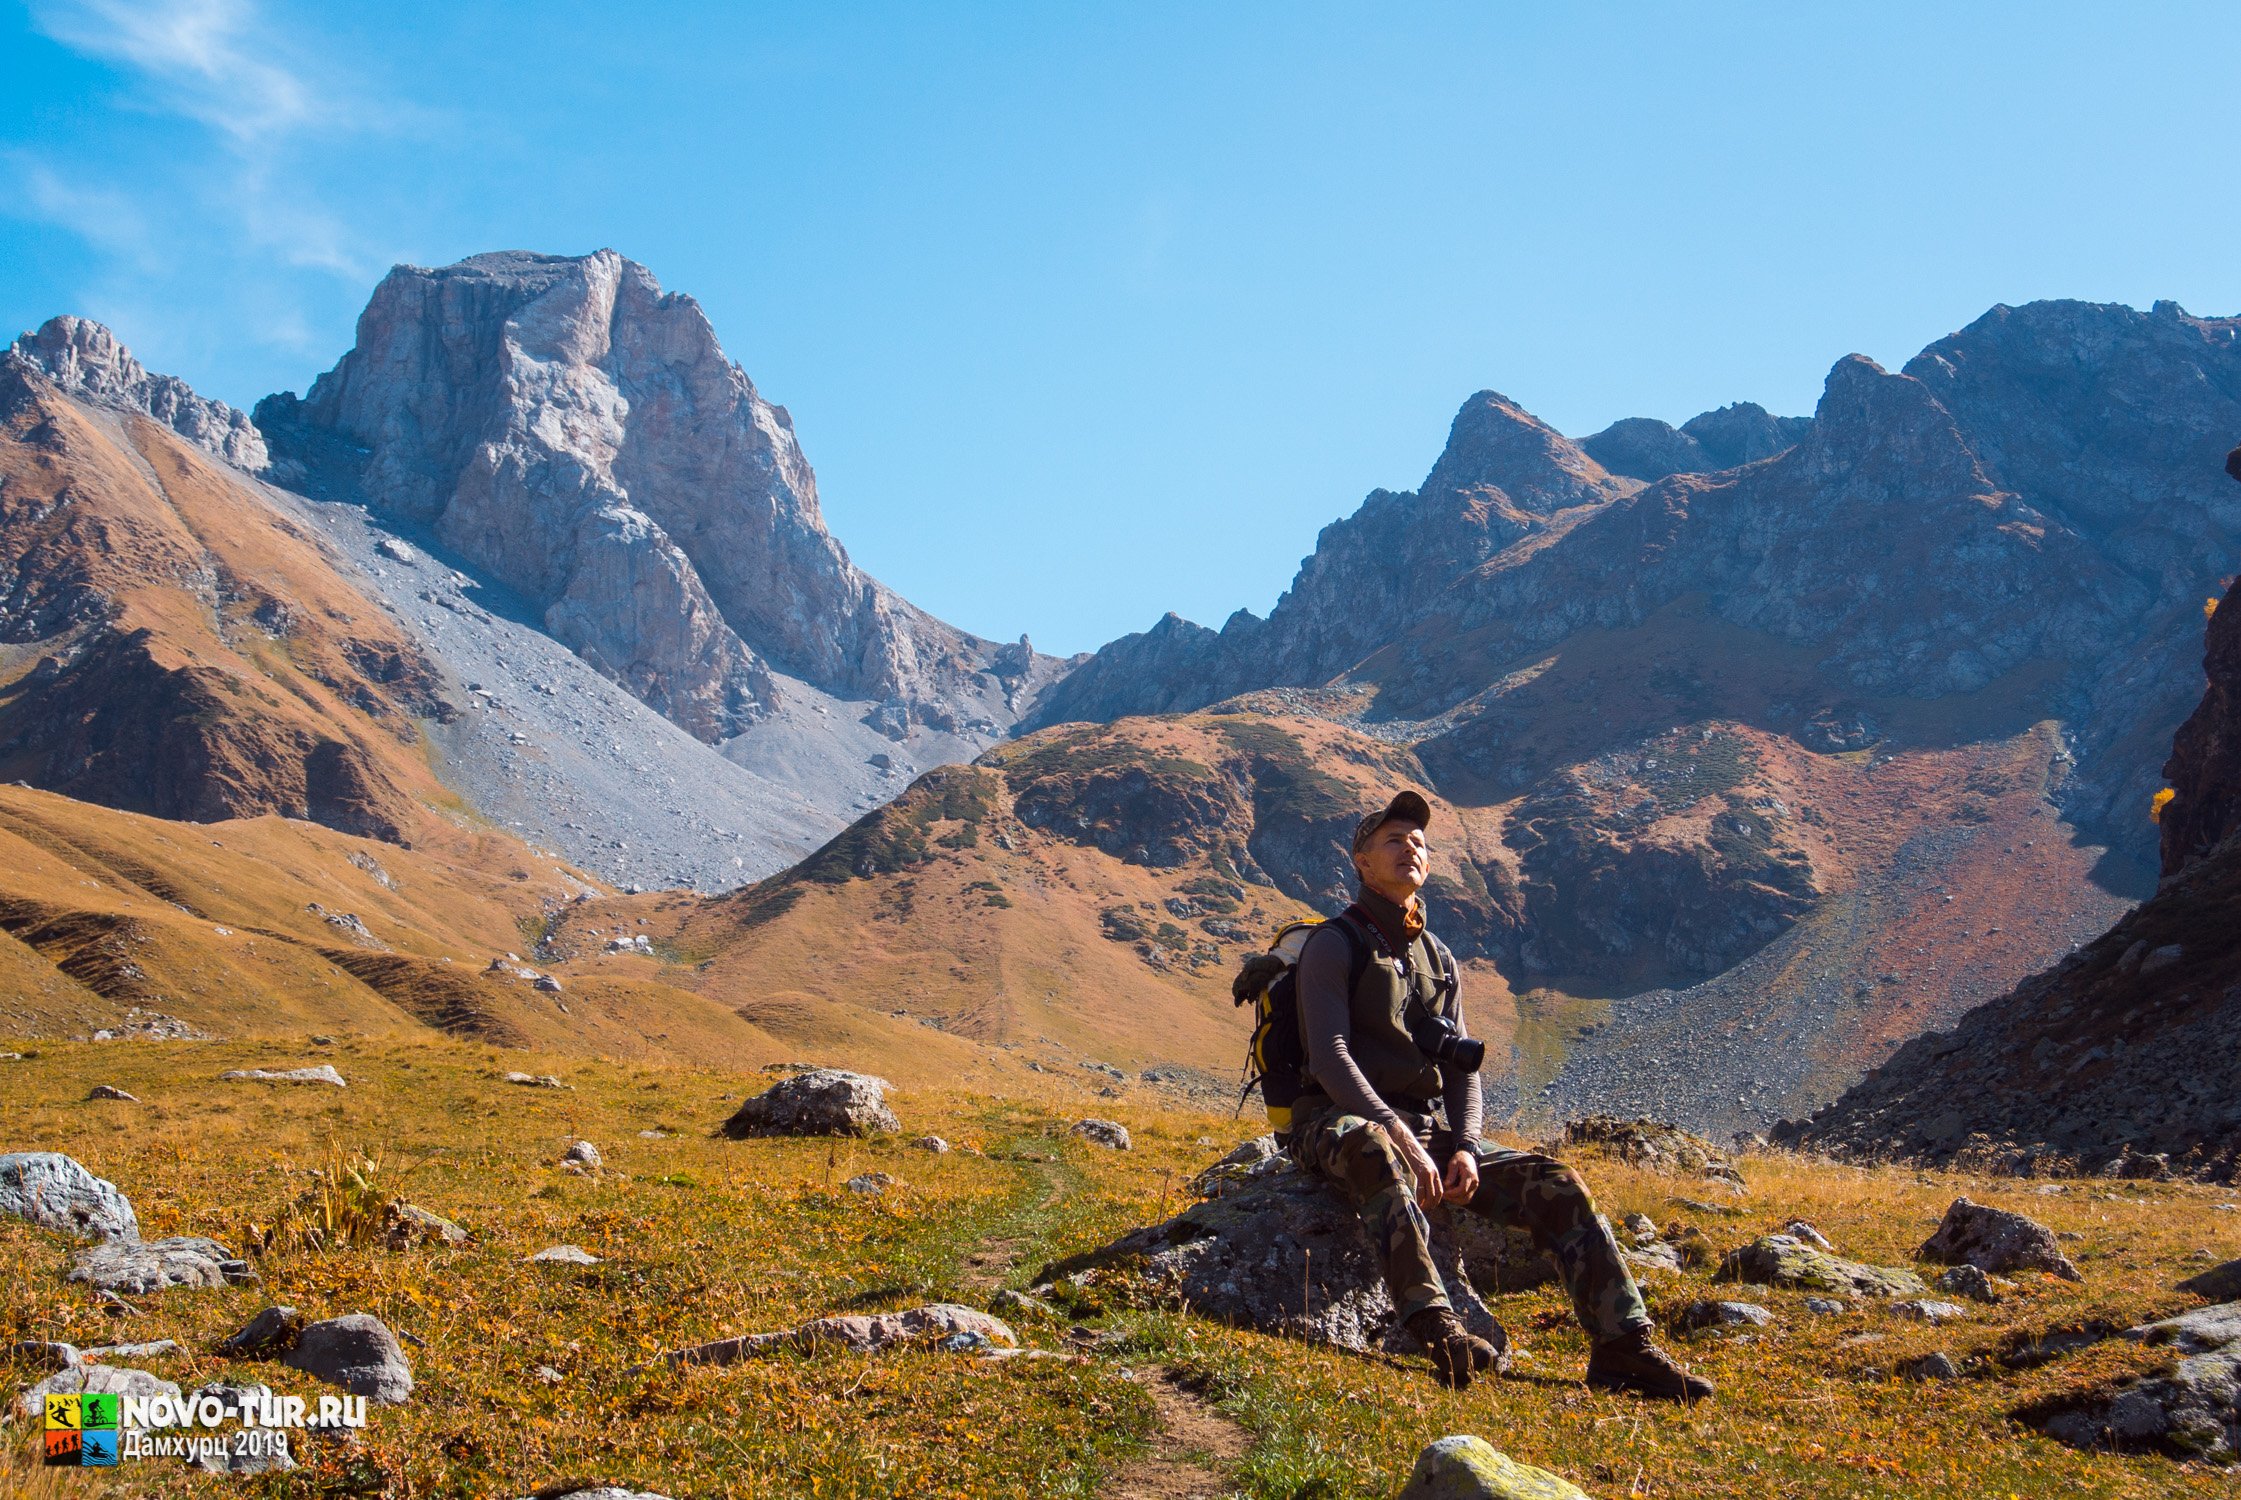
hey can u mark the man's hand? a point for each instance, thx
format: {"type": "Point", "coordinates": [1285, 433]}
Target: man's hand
{"type": "Point", "coordinates": [1461, 1183]}
{"type": "Point", "coordinates": [1417, 1161]}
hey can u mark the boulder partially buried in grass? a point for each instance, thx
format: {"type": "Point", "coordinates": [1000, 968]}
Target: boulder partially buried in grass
{"type": "Point", "coordinates": [825, 1101]}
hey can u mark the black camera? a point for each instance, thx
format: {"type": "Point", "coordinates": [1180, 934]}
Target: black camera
{"type": "Point", "coordinates": [1438, 1039]}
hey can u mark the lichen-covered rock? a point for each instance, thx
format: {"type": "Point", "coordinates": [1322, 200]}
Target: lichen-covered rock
{"type": "Point", "coordinates": [1785, 1261]}
{"type": "Point", "coordinates": [1279, 1237]}
{"type": "Point", "coordinates": [1969, 1282]}
{"type": "Point", "coordinates": [1996, 1240]}
{"type": "Point", "coordinates": [358, 1353]}
{"type": "Point", "coordinates": [139, 1267]}
{"type": "Point", "coordinates": [2193, 1412]}
{"type": "Point", "coordinates": [823, 1101]}
{"type": "Point", "coordinates": [1462, 1467]}
{"type": "Point", "coordinates": [583, 1154]}
{"type": "Point", "coordinates": [1108, 1133]}
{"type": "Point", "coordinates": [858, 1333]}
{"type": "Point", "coordinates": [54, 1192]}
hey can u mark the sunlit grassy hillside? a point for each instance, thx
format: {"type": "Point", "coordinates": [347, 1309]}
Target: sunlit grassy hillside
{"type": "Point", "coordinates": [701, 1237]}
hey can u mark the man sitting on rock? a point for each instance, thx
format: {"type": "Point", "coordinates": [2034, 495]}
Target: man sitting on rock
{"type": "Point", "coordinates": [1393, 1092]}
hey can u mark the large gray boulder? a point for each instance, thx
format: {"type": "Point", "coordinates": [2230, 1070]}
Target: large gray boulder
{"type": "Point", "coordinates": [54, 1192]}
{"type": "Point", "coordinates": [1463, 1467]}
{"type": "Point", "coordinates": [823, 1101]}
{"type": "Point", "coordinates": [139, 1267]}
{"type": "Point", "coordinates": [358, 1353]}
{"type": "Point", "coordinates": [1995, 1240]}
{"type": "Point", "coordinates": [2193, 1412]}
{"type": "Point", "coordinates": [1282, 1251]}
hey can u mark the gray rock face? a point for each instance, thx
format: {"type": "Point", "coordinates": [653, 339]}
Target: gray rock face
{"type": "Point", "coordinates": [566, 424]}
{"type": "Point", "coordinates": [54, 1192]}
{"type": "Point", "coordinates": [1281, 1251]}
{"type": "Point", "coordinates": [583, 1154]}
{"type": "Point", "coordinates": [1994, 1239]}
{"type": "Point", "coordinates": [1108, 1133]}
{"type": "Point", "coordinates": [85, 359]}
{"type": "Point", "coordinates": [823, 1101]}
{"type": "Point", "coordinates": [138, 1267]}
{"type": "Point", "coordinates": [358, 1353]}
{"type": "Point", "coordinates": [2194, 1412]}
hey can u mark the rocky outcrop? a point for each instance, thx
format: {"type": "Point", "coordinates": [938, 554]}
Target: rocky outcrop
{"type": "Point", "coordinates": [570, 427]}
{"type": "Point", "coordinates": [85, 360]}
{"type": "Point", "coordinates": [2125, 1058]}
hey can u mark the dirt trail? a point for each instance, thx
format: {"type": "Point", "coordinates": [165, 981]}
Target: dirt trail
{"type": "Point", "coordinates": [1195, 1446]}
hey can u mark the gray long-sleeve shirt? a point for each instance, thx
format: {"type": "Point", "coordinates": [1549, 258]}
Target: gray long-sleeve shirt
{"type": "Point", "coordinates": [1325, 1015]}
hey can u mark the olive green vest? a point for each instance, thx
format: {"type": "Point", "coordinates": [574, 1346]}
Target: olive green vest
{"type": "Point", "coordinates": [1377, 1032]}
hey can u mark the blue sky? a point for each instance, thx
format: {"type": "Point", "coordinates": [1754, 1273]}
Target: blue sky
{"type": "Point", "coordinates": [1085, 313]}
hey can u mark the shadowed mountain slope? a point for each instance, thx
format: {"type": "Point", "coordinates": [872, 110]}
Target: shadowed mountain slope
{"type": "Point", "coordinates": [2126, 1056]}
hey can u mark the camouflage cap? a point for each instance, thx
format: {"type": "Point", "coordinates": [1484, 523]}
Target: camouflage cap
{"type": "Point", "coordinates": [1408, 807]}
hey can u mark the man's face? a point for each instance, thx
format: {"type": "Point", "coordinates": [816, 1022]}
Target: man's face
{"type": "Point", "coordinates": [1396, 861]}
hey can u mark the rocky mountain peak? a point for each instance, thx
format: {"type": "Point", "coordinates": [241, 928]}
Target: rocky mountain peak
{"type": "Point", "coordinates": [1880, 430]}
{"type": "Point", "coordinates": [1496, 445]}
{"type": "Point", "coordinates": [85, 360]}
{"type": "Point", "coordinates": [568, 425]}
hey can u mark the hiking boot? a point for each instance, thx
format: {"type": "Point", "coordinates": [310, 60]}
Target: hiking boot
{"type": "Point", "coordinates": [1633, 1363]}
{"type": "Point", "coordinates": [1457, 1353]}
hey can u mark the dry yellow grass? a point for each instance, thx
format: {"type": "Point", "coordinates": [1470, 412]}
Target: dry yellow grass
{"type": "Point", "coordinates": [703, 1237]}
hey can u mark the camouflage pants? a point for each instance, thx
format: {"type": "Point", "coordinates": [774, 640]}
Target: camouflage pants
{"type": "Point", "coordinates": [1536, 1193]}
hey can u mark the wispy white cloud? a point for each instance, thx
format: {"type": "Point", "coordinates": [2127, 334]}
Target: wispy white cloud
{"type": "Point", "coordinates": [205, 59]}
{"type": "Point", "coordinates": [227, 206]}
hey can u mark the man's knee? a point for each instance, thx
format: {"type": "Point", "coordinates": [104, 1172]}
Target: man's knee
{"type": "Point", "coordinates": [1359, 1154]}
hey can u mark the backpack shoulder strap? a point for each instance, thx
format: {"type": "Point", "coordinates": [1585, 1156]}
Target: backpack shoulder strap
{"type": "Point", "coordinates": [1451, 977]}
{"type": "Point", "coordinates": [1358, 946]}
